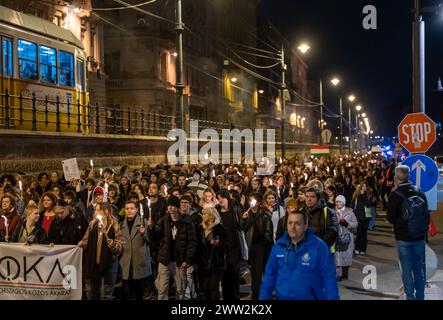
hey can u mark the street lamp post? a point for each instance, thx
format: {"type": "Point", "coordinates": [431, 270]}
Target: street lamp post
{"type": "Point", "coordinates": [321, 104]}
{"type": "Point", "coordinates": [179, 28]}
{"type": "Point", "coordinates": [341, 125]}
{"type": "Point", "coordinates": [351, 98]}
{"type": "Point", "coordinates": [418, 60]}
{"type": "Point", "coordinates": [283, 103]}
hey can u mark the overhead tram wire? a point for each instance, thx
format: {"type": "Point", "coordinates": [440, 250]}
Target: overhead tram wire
{"type": "Point", "coordinates": [144, 11]}
{"type": "Point", "coordinates": [125, 7]}
{"type": "Point", "coordinates": [255, 65]}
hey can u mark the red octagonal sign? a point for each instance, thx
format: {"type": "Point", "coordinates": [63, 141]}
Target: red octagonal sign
{"type": "Point", "coordinates": [417, 133]}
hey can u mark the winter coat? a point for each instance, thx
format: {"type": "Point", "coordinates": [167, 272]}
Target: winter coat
{"type": "Point", "coordinates": [395, 211]}
{"type": "Point", "coordinates": [359, 204]}
{"type": "Point", "coordinates": [13, 223]}
{"type": "Point", "coordinates": [53, 235]}
{"type": "Point", "coordinates": [344, 257]}
{"type": "Point", "coordinates": [325, 230]}
{"type": "Point", "coordinates": [185, 244]}
{"type": "Point", "coordinates": [258, 229]}
{"type": "Point", "coordinates": [37, 236]}
{"type": "Point", "coordinates": [108, 256]}
{"type": "Point", "coordinates": [212, 258]}
{"type": "Point", "coordinates": [135, 251]}
{"type": "Point", "coordinates": [305, 271]}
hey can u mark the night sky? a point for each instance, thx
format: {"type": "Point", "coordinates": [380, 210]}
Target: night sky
{"type": "Point", "coordinates": [375, 65]}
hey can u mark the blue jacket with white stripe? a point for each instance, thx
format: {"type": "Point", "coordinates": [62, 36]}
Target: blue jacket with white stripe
{"type": "Point", "coordinates": [302, 272]}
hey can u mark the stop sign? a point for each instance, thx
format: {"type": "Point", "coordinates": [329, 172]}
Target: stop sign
{"type": "Point", "coordinates": [416, 133]}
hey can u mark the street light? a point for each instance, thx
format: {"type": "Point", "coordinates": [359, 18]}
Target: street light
{"type": "Point", "coordinates": [261, 91]}
{"type": "Point", "coordinates": [234, 79]}
{"type": "Point", "coordinates": [335, 81]}
{"type": "Point", "coordinates": [304, 48]}
{"type": "Point", "coordinates": [358, 108]}
{"type": "Point", "coordinates": [351, 98]}
{"type": "Point", "coordinates": [363, 115]}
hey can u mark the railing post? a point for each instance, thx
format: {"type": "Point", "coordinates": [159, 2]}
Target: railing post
{"type": "Point", "coordinates": [34, 112]}
{"type": "Point", "coordinates": [57, 114]}
{"type": "Point", "coordinates": [20, 101]}
{"type": "Point", "coordinates": [69, 113]}
{"type": "Point", "coordinates": [7, 116]}
{"type": "Point", "coordinates": [46, 111]}
{"type": "Point", "coordinates": [88, 108]}
{"type": "Point", "coordinates": [114, 110]}
{"type": "Point", "coordinates": [97, 119]}
{"type": "Point", "coordinates": [79, 129]}
{"type": "Point", "coordinates": [129, 120]}
{"type": "Point", "coordinates": [136, 121]}
{"type": "Point", "coordinates": [143, 122]}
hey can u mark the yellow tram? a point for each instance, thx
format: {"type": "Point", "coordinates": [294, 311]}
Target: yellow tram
{"type": "Point", "coordinates": [40, 58]}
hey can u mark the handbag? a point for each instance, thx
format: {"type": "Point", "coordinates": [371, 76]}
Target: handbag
{"type": "Point", "coordinates": [343, 239]}
{"type": "Point", "coordinates": [368, 213]}
{"type": "Point", "coordinates": [242, 239]}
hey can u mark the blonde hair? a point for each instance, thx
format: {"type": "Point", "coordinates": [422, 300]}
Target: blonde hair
{"type": "Point", "coordinates": [30, 209]}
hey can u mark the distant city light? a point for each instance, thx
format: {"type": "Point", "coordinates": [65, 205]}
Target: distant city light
{"type": "Point", "coordinates": [234, 79]}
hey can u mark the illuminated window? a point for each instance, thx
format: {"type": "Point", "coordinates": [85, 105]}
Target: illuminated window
{"type": "Point", "coordinates": [66, 69]}
{"type": "Point", "coordinates": [48, 65]}
{"type": "Point", "coordinates": [7, 57]}
{"type": "Point", "coordinates": [27, 59]}
{"type": "Point", "coordinates": [81, 74]}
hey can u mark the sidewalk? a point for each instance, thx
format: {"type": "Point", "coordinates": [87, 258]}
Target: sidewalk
{"type": "Point", "coordinates": [382, 254]}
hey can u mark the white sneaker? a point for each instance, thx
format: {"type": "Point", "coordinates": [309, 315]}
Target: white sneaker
{"type": "Point", "coordinates": [356, 252]}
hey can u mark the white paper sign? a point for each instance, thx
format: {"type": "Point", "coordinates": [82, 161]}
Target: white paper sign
{"type": "Point", "coordinates": [70, 169]}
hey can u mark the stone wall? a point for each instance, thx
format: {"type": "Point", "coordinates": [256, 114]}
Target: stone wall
{"type": "Point", "coordinates": [34, 152]}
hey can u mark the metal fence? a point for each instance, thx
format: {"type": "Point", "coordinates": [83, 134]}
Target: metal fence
{"type": "Point", "coordinates": [54, 114]}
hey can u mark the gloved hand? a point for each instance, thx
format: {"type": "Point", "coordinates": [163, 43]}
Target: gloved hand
{"type": "Point", "coordinates": [343, 222]}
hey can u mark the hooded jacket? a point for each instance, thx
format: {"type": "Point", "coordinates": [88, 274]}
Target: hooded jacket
{"type": "Point", "coordinates": [305, 271]}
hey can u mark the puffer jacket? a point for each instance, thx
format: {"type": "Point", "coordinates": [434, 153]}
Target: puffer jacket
{"type": "Point", "coordinates": [186, 241]}
{"type": "Point", "coordinates": [305, 271]}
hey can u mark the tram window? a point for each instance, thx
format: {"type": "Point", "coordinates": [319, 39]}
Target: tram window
{"type": "Point", "coordinates": [66, 61]}
{"type": "Point", "coordinates": [48, 65]}
{"type": "Point", "coordinates": [80, 74]}
{"type": "Point", "coordinates": [27, 59]}
{"type": "Point", "coordinates": [7, 57]}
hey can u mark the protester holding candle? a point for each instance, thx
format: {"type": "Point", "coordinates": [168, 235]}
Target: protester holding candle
{"type": "Point", "coordinates": [9, 219]}
{"type": "Point", "coordinates": [102, 245]}
{"type": "Point", "coordinates": [135, 261]}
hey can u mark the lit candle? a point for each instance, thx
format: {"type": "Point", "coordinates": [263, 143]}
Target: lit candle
{"type": "Point", "coordinates": [306, 176]}
{"type": "Point", "coordinates": [20, 186]}
{"type": "Point", "coordinates": [6, 225]}
{"type": "Point", "coordinates": [213, 172]}
{"type": "Point", "coordinates": [105, 197]}
{"type": "Point", "coordinates": [102, 226]}
{"type": "Point", "coordinates": [253, 203]}
{"type": "Point", "coordinates": [149, 207]}
{"type": "Point", "coordinates": [292, 185]}
{"type": "Point", "coordinates": [270, 181]}
{"type": "Point", "coordinates": [166, 189]}
{"type": "Point", "coordinates": [142, 213]}
{"type": "Point", "coordinates": [91, 163]}
{"type": "Point", "coordinates": [101, 171]}
{"type": "Point", "coordinates": [281, 161]}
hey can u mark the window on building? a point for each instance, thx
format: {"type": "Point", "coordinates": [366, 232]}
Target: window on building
{"type": "Point", "coordinates": [81, 75]}
{"type": "Point", "coordinates": [27, 60]}
{"type": "Point", "coordinates": [48, 65]}
{"type": "Point", "coordinates": [66, 64]}
{"type": "Point", "coordinates": [7, 57]}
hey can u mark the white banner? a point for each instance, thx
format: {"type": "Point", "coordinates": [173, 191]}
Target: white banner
{"type": "Point", "coordinates": [70, 169]}
{"type": "Point", "coordinates": [40, 272]}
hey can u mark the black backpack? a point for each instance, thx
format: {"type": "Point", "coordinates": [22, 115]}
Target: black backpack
{"type": "Point", "coordinates": [415, 213]}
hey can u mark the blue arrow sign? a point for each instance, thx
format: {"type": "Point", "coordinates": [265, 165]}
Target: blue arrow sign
{"type": "Point", "coordinates": [424, 171]}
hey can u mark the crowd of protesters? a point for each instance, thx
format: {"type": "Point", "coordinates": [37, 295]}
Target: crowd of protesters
{"type": "Point", "coordinates": [187, 230]}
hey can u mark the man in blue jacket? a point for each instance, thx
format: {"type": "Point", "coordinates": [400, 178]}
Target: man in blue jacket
{"type": "Point", "coordinates": [300, 265]}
